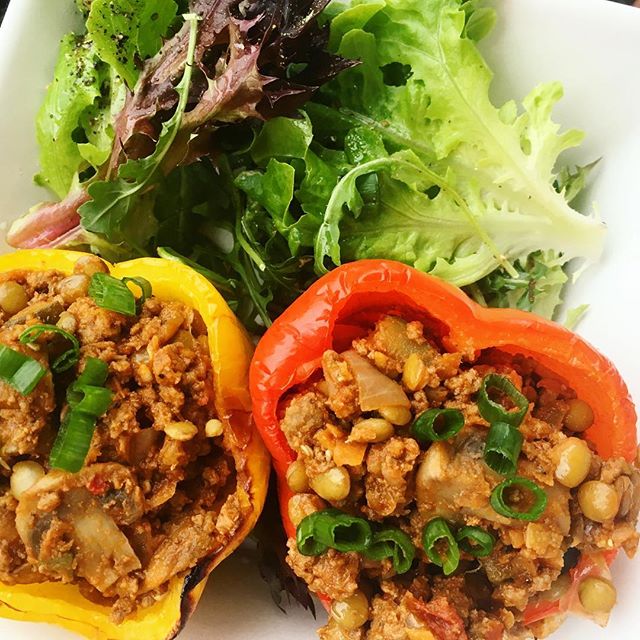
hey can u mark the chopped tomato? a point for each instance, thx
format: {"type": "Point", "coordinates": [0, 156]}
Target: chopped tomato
{"type": "Point", "coordinates": [98, 485]}
{"type": "Point", "coordinates": [439, 617]}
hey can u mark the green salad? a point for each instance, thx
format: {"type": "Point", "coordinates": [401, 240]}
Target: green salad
{"type": "Point", "coordinates": [265, 142]}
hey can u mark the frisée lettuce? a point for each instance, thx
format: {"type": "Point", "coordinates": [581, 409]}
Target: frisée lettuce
{"type": "Point", "coordinates": [494, 168]}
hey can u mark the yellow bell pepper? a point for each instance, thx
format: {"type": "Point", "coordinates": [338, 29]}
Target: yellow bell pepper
{"type": "Point", "coordinates": [231, 350]}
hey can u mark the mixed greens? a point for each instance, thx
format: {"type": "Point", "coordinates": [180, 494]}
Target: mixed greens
{"type": "Point", "coordinates": [295, 135]}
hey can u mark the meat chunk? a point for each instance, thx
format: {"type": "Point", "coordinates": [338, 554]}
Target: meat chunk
{"type": "Point", "coordinates": [14, 566]}
{"type": "Point", "coordinates": [342, 385]}
{"type": "Point", "coordinates": [159, 323]}
{"type": "Point", "coordinates": [95, 324]}
{"type": "Point", "coordinates": [331, 574]}
{"type": "Point", "coordinates": [516, 577]}
{"type": "Point", "coordinates": [389, 619]}
{"type": "Point", "coordinates": [406, 616]}
{"type": "Point", "coordinates": [389, 480]}
{"type": "Point", "coordinates": [305, 415]}
{"type": "Point", "coordinates": [23, 418]}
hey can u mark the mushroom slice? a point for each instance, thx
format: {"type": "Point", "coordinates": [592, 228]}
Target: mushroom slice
{"type": "Point", "coordinates": [453, 483]}
{"type": "Point", "coordinates": [71, 520]}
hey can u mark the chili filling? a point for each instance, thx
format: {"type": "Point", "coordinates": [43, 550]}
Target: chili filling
{"type": "Point", "coordinates": [394, 431]}
{"type": "Point", "coordinates": [155, 493]}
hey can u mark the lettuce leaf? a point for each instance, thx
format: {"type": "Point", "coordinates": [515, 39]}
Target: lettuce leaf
{"type": "Point", "coordinates": [74, 114]}
{"type": "Point", "coordinates": [125, 32]}
{"type": "Point", "coordinates": [424, 87]}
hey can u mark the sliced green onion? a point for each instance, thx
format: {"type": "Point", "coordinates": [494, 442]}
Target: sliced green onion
{"type": "Point", "coordinates": [307, 544]}
{"type": "Point", "coordinates": [95, 373]}
{"type": "Point", "coordinates": [437, 424]}
{"type": "Point", "coordinates": [113, 294]}
{"type": "Point", "coordinates": [394, 544]}
{"type": "Point", "coordinates": [436, 533]}
{"type": "Point", "coordinates": [72, 442]}
{"type": "Point", "coordinates": [342, 531]}
{"type": "Point", "coordinates": [475, 541]}
{"type": "Point", "coordinates": [516, 490]}
{"type": "Point", "coordinates": [144, 285]}
{"type": "Point", "coordinates": [95, 400]}
{"type": "Point", "coordinates": [68, 359]}
{"type": "Point", "coordinates": [502, 449]}
{"type": "Point", "coordinates": [493, 411]}
{"type": "Point", "coordinates": [22, 372]}
{"type": "Point", "coordinates": [88, 400]}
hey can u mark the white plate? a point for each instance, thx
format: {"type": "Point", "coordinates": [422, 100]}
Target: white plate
{"type": "Point", "coordinates": [593, 47]}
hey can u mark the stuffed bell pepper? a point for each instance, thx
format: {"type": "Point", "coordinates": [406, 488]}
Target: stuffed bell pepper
{"type": "Point", "coordinates": [129, 467]}
{"type": "Point", "coordinates": [446, 471]}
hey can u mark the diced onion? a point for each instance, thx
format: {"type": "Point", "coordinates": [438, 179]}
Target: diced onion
{"type": "Point", "coordinates": [24, 475]}
{"type": "Point", "coordinates": [375, 389]}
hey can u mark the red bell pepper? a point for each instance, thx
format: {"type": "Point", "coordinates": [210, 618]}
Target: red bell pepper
{"type": "Point", "coordinates": [345, 303]}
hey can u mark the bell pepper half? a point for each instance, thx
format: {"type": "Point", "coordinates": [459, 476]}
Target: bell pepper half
{"type": "Point", "coordinates": [345, 303]}
{"type": "Point", "coordinates": [230, 350]}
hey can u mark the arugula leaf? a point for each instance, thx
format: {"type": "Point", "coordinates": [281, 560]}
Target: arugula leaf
{"type": "Point", "coordinates": [273, 190]}
{"type": "Point", "coordinates": [292, 169]}
{"type": "Point", "coordinates": [282, 138]}
{"type": "Point", "coordinates": [127, 30]}
{"type": "Point", "coordinates": [114, 201]}
{"type": "Point", "coordinates": [237, 247]}
{"type": "Point", "coordinates": [72, 110]}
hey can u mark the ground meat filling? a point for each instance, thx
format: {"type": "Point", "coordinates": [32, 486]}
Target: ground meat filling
{"type": "Point", "coordinates": [157, 491]}
{"type": "Point", "coordinates": [358, 455]}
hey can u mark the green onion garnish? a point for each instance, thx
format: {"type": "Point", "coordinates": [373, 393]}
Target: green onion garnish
{"type": "Point", "coordinates": [475, 541]}
{"type": "Point", "coordinates": [88, 400]}
{"type": "Point", "coordinates": [95, 373]}
{"type": "Point", "coordinates": [394, 544]}
{"type": "Point", "coordinates": [22, 372]}
{"type": "Point", "coordinates": [440, 545]}
{"type": "Point", "coordinates": [95, 400]}
{"type": "Point", "coordinates": [493, 411]}
{"type": "Point", "coordinates": [144, 285]}
{"type": "Point", "coordinates": [516, 491]}
{"type": "Point", "coordinates": [68, 359]}
{"type": "Point", "coordinates": [72, 442]}
{"type": "Point", "coordinates": [307, 544]}
{"type": "Point", "coordinates": [342, 531]}
{"type": "Point", "coordinates": [113, 294]}
{"type": "Point", "coordinates": [502, 449]}
{"type": "Point", "coordinates": [437, 424]}
{"type": "Point", "coordinates": [333, 529]}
